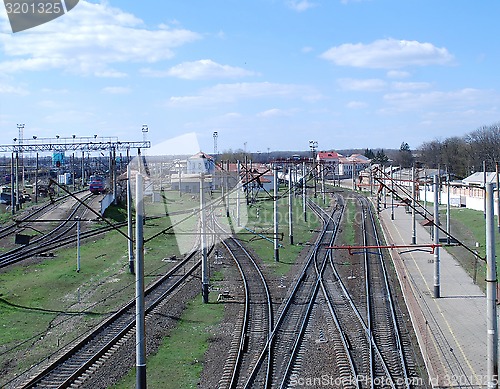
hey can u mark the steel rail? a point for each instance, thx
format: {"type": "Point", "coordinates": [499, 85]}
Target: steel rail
{"type": "Point", "coordinates": [108, 327]}
{"type": "Point", "coordinates": [285, 313]}
{"type": "Point", "coordinates": [6, 230]}
{"type": "Point", "coordinates": [244, 338]}
{"type": "Point", "coordinates": [319, 270]}
{"type": "Point", "coordinates": [45, 240]}
{"type": "Point", "coordinates": [393, 320]}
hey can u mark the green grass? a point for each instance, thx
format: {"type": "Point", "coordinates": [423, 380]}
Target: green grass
{"type": "Point", "coordinates": [348, 235]}
{"type": "Point", "coordinates": [260, 222]}
{"type": "Point", "coordinates": [37, 300]}
{"type": "Point", "coordinates": [179, 361]}
{"type": "Point", "coordinates": [469, 227]}
{"type": "Point", "coordinates": [34, 296]}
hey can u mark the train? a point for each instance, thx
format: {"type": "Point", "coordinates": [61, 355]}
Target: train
{"type": "Point", "coordinates": [97, 184]}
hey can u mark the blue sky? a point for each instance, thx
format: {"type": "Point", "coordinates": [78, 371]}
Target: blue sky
{"type": "Point", "coordinates": [262, 73]}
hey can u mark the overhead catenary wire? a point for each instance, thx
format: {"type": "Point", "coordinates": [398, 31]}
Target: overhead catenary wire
{"type": "Point", "coordinates": [423, 212]}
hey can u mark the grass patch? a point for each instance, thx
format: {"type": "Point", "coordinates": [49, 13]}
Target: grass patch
{"type": "Point", "coordinates": [179, 361]}
{"type": "Point", "coordinates": [348, 235]}
{"type": "Point", "coordinates": [468, 226]}
{"type": "Point", "coordinates": [261, 222]}
{"type": "Point", "coordinates": [38, 301]}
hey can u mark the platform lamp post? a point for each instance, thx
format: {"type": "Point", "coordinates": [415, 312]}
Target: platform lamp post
{"type": "Point", "coordinates": [290, 205]}
{"type": "Point", "coordinates": [20, 128]}
{"type": "Point", "coordinates": [12, 190]}
{"type": "Point", "coordinates": [216, 135]}
{"type": "Point", "coordinates": [437, 269]}
{"type": "Point", "coordinates": [413, 216]}
{"type": "Point", "coordinates": [392, 194]}
{"type": "Point", "coordinates": [145, 130]}
{"type": "Point", "coordinates": [304, 191]}
{"type": "Point", "coordinates": [313, 145]}
{"type": "Point", "coordinates": [276, 213]}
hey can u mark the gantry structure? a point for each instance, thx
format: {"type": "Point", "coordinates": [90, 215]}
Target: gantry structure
{"type": "Point", "coordinates": [59, 144]}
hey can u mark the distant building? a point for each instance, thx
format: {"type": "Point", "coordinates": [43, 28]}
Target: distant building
{"type": "Point", "coordinates": [329, 160]}
{"type": "Point", "coordinates": [353, 164]}
{"type": "Point", "coordinates": [200, 163]}
{"type": "Point", "coordinates": [187, 176]}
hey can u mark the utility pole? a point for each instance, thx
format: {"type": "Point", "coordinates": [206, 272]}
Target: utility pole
{"type": "Point", "coordinates": [414, 205]}
{"type": "Point", "coordinates": [12, 190]}
{"type": "Point", "coordinates": [83, 168]}
{"type": "Point", "coordinates": [491, 291]}
{"type": "Point", "coordinates": [276, 227]}
{"type": "Point", "coordinates": [238, 189]}
{"type": "Point", "coordinates": [353, 176]}
{"type": "Point", "coordinates": [20, 139]}
{"type": "Point", "coordinates": [323, 183]}
{"type": "Point", "coordinates": [114, 175]}
{"type": "Point", "coordinates": [290, 206]}
{"type": "Point", "coordinates": [77, 244]}
{"type": "Point", "coordinates": [129, 221]}
{"type": "Point", "coordinates": [180, 178]}
{"type": "Point", "coordinates": [36, 179]}
{"type": "Point", "coordinates": [216, 135]}
{"type": "Point", "coordinates": [140, 322]}
{"type": "Point", "coordinates": [204, 253]}
{"type": "Point", "coordinates": [448, 224]}
{"type": "Point", "coordinates": [247, 187]}
{"type": "Point", "coordinates": [18, 204]}
{"type": "Point", "coordinates": [498, 194]}
{"type": "Point", "coordinates": [392, 194]}
{"type": "Point", "coordinates": [313, 146]}
{"type": "Point", "coordinates": [304, 205]}
{"type": "Point", "coordinates": [484, 187]}
{"type": "Point", "coordinates": [437, 281]}
{"type": "Point", "coordinates": [227, 176]}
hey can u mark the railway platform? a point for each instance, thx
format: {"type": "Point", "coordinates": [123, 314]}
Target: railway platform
{"type": "Point", "coordinates": [451, 330]}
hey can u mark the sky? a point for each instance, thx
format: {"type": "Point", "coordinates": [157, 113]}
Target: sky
{"type": "Point", "coordinates": [263, 74]}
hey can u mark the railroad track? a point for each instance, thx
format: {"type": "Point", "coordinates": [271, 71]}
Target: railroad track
{"type": "Point", "coordinates": [58, 236]}
{"type": "Point", "coordinates": [75, 363]}
{"type": "Point", "coordinates": [385, 327]}
{"type": "Point", "coordinates": [284, 341]}
{"type": "Point", "coordinates": [366, 316]}
{"type": "Point", "coordinates": [256, 321]}
{"type": "Point", "coordinates": [361, 320]}
{"type": "Point", "coordinates": [35, 211]}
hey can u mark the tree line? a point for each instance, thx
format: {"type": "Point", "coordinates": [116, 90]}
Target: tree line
{"type": "Point", "coordinates": [464, 155]}
{"type": "Point", "coordinates": [461, 155]}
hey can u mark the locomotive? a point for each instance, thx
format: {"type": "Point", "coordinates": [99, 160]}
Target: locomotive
{"type": "Point", "coordinates": [97, 184]}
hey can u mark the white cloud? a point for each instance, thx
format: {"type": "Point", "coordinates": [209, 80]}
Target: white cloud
{"type": "Point", "coordinates": [362, 85]}
{"type": "Point", "coordinates": [88, 40]}
{"type": "Point", "coordinates": [388, 54]}
{"type": "Point", "coordinates": [227, 93]}
{"type": "Point", "coordinates": [201, 70]}
{"type": "Point", "coordinates": [463, 99]}
{"type": "Point", "coordinates": [116, 90]}
{"type": "Point", "coordinates": [356, 104]}
{"type": "Point", "coordinates": [232, 115]}
{"type": "Point", "coordinates": [275, 112]}
{"type": "Point", "coordinates": [410, 85]}
{"type": "Point", "coordinates": [300, 5]}
{"type": "Point", "coordinates": [399, 74]}
{"type": "Point", "coordinates": [12, 90]}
